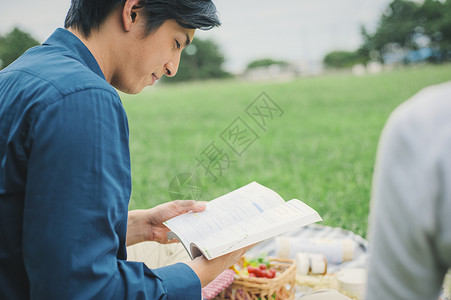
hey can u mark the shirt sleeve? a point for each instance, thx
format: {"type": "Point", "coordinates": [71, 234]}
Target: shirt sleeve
{"type": "Point", "coordinates": [76, 206]}
{"type": "Point", "coordinates": [407, 233]}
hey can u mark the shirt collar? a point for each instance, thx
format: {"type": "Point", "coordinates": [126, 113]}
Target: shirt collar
{"type": "Point", "coordinates": [65, 38]}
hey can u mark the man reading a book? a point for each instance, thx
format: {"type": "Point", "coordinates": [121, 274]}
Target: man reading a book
{"type": "Point", "coordinates": [65, 179]}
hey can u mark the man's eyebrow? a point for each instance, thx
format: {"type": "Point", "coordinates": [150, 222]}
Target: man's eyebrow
{"type": "Point", "coordinates": [187, 41]}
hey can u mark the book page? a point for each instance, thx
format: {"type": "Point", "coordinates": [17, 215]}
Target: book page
{"type": "Point", "coordinates": [242, 204]}
{"type": "Point", "coordinates": [277, 220]}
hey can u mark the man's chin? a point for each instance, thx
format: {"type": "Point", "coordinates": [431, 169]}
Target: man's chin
{"type": "Point", "coordinates": [130, 90]}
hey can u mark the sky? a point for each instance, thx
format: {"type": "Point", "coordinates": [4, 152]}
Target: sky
{"type": "Point", "coordinates": [299, 31]}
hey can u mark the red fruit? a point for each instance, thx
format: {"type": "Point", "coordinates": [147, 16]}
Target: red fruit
{"type": "Point", "coordinates": [252, 275]}
{"type": "Point", "coordinates": [272, 273]}
{"type": "Point", "coordinates": [268, 274]}
{"type": "Point", "coordinates": [251, 269]}
{"type": "Point", "coordinates": [259, 273]}
{"type": "Point", "coordinates": [262, 267]}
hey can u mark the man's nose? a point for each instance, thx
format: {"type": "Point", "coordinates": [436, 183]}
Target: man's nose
{"type": "Point", "coordinates": [171, 67]}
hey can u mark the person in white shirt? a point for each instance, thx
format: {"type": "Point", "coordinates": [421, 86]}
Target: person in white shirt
{"type": "Point", "coordinates": [409, 224]}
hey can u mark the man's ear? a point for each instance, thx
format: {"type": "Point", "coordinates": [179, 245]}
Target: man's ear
{"type": "Point", "coordinates": [130, 13]}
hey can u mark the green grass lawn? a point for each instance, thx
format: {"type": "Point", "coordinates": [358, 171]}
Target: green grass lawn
{"type": "Point", "coordinates": [321, 150]}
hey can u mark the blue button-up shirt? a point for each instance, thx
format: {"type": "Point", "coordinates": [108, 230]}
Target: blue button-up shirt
{"type": "Point", "coordinates": [65, 184]}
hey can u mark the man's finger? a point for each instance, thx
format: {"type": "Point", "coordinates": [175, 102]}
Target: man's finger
{"type": "Point", "coordinates": [199, 206]}
{"type": "Point", "coordinates": [187, 205]}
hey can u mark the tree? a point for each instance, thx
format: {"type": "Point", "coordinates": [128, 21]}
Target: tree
{"type": "Point", "coordinates": [407, 26]}
{"type": "Point", "coordinates": [13, 45]}
{"type": "Point", "coordinates": [343, 59]}
{"type": "Point", "coordinates": [266, 62]}
{"type": "Point", "coordinates": [202, 59]}
{"type": "Point", "coordinates": [436, 23]}
{"type": "Point", "coordinates": [397, 24]}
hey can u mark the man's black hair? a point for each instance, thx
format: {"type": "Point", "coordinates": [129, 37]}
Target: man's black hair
{"type": "Point", "coordinates": [86, 15]}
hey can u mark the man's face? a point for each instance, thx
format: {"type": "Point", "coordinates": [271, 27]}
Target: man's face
{"type": "Point", "coordinates": [149, 58]}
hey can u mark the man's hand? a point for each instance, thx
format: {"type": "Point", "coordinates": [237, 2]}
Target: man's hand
{"type": "Point", "coordinates": [208, 270]}
{"type": "Point", "coordinates": [147, 225]}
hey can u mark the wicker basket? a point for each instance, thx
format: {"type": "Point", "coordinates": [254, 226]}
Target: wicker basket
{"type": "Point", "coordinates": [253, 288]}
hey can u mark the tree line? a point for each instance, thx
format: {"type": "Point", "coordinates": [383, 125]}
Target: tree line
{"type": "Point", "coordinates": [407, 31]}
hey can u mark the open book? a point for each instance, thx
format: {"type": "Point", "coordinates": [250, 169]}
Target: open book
{"type": "Point", "coordinates": [238, 219]}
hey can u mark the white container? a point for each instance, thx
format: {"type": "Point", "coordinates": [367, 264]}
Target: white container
{"type": "Point", "coordinates": [335, 250]}
{"type": "Point", "coordinates": [353, 282]}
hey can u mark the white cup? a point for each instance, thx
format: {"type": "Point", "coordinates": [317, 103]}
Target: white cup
{"type": "Point", "coordinates": [353, 282]}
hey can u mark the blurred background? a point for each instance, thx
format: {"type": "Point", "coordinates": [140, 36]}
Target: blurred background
{"type": "Point", "coordinates": [292, 94]}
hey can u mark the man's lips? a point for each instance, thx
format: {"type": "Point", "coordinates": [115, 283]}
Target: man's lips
{"type": "Point", "coordinates": [154, 79]}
